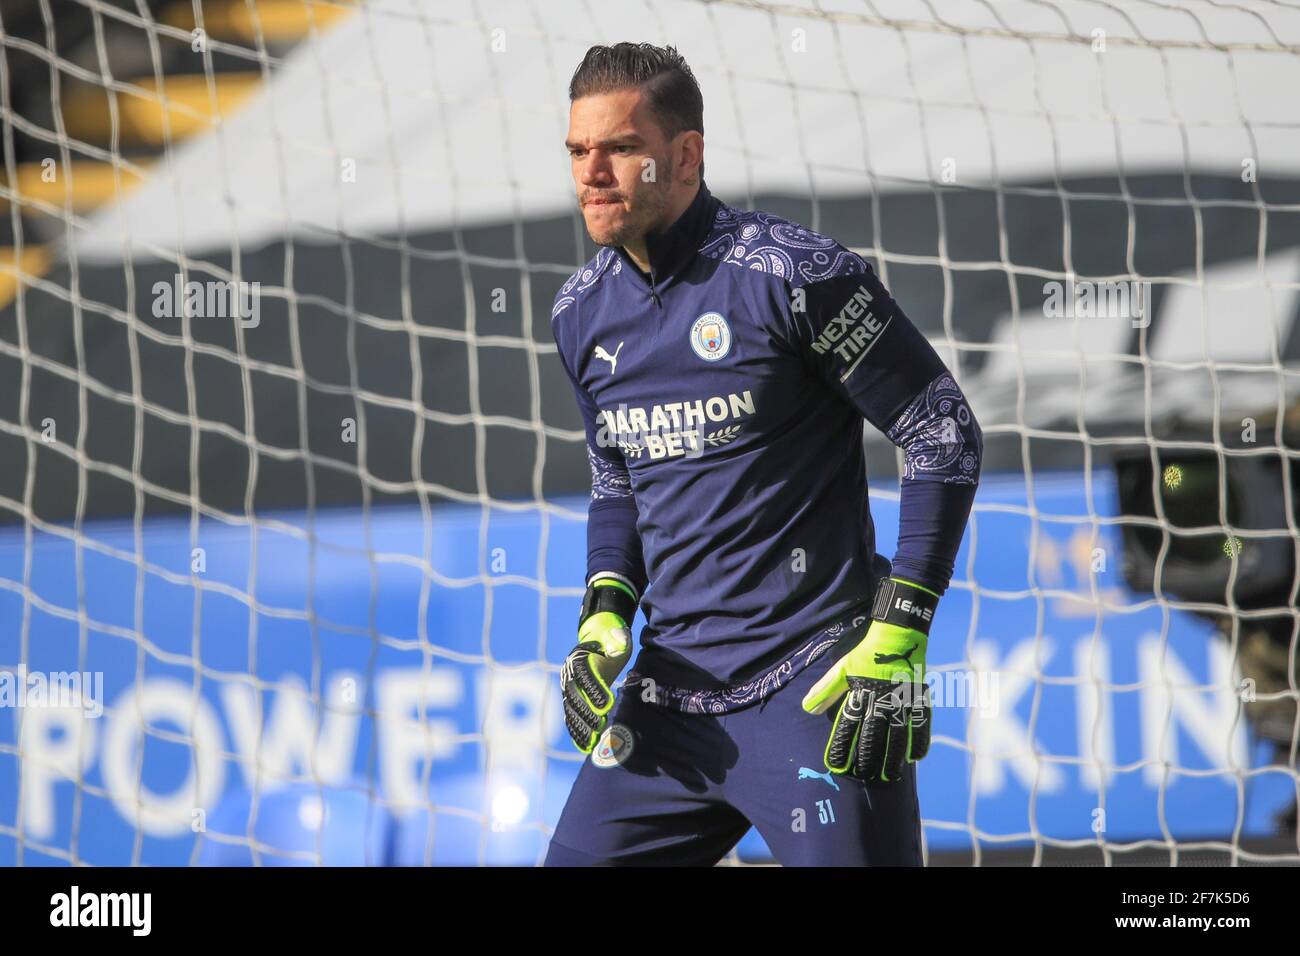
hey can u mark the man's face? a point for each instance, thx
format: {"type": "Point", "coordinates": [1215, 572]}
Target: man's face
{"type": "Point", "coordinates": [622, 166]}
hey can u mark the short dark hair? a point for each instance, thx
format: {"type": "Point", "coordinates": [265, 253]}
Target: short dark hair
{"type": "Point", "coordinates": [661, 72]}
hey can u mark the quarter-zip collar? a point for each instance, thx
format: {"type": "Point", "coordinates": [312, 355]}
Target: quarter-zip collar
{"type": "Point", "coordinates": [673, 247]}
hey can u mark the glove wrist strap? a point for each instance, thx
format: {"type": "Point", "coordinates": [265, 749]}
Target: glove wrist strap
{"type": "Point", "coordinates": [904, 605]}
{"type": "Point", "coordinates": [609, 596]}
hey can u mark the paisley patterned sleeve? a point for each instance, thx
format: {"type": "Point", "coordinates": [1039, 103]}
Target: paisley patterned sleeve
{"type": "Point", "coordinates": [613, 541]}
{"type": "Point", "coordinates": [609, 479]}
{"type": "Point", "coordinates": [853, 336]}
{"type": "Point", "coordinates": [942, 448]}
{"type": "Point", "coordinates": [940, 438]}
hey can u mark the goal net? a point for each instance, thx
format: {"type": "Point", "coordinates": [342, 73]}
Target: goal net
{"type": "Point", "coordinates": [293, 488]}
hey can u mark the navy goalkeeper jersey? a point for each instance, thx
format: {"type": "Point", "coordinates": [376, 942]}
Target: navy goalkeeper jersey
{"type": "Point", "coordinates": [723, 396]}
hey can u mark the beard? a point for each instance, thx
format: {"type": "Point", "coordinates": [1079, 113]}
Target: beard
{"type": "Point", "coordinates": [641, 215]}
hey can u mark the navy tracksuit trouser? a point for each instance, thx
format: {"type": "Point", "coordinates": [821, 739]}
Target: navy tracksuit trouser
{"type": "Point", "coordinates": [690, 785]}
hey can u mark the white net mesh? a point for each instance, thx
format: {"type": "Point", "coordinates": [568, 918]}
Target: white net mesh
{"type": "Point", "coordinates": [293, 484]}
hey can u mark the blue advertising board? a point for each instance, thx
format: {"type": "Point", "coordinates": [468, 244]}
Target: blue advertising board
{"type": "Point", "coordinates": [382, 688]}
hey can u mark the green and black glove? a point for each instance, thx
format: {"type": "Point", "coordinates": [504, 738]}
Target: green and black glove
{"type": "Point", "coordinates": [884, 719]}
{"type": "Point", "coordinates": [604, 644]}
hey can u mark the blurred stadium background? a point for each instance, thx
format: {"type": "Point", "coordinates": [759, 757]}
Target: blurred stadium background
{"type": "Point", "coordinates": [320, 558]}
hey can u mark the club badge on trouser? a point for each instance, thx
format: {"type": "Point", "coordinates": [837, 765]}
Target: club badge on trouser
{"type": "Point", "coordinates": [614, 747]}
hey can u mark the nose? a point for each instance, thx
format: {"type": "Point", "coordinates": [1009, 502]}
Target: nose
{"type": "Point", "coordinates": [594, 170]}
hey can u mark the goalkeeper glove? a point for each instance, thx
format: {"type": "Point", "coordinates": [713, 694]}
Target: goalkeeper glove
{"type": "Point", "coordinates": [604, 644]}
{"type": "Point", "coordinates": [884, 718]}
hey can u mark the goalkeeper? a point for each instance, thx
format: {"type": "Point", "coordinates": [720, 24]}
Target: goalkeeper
{"type": "Point", "coordinates": [723, 361]}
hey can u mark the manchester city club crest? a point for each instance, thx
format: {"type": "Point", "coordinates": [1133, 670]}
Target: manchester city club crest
{"type": "Point", "coordinates": [614, 747]}
{"type": "Point", "coordinates": [711, 336]}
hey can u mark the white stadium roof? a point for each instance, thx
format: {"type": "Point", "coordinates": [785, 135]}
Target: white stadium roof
{"type": "Point", "coordinates": [449, 122]}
